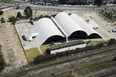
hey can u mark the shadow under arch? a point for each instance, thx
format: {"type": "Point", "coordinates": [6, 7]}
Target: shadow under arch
{"type": "Point", "coordinates": [78, 35]}
{"type": "Point", "coordinates": [55, 38]}
{"type": "Point", "coordinates": [94, 35]}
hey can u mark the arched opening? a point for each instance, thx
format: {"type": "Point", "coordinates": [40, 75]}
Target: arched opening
{"type": "Point", "coordinates": [55, 38]}
{"type": "Point", "coordinates": [78, 35]}
{"type": "Point", "coordinates": [94, 35]}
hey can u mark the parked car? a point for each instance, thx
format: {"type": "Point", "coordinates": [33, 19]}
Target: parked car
{"type": "Point", "coordinates": [114, 30]}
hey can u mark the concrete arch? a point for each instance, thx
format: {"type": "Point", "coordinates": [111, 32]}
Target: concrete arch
{"type": "Point", "coordinates": [79, 34]}
{"type": "Point", "coordinates": [54, 38]}
{"type": "Point", "coordinates": [45, 29]}
{"type": "Point", "coordinates": [67, 23]}
{"type": "Point", "coordinates": [94, 35]}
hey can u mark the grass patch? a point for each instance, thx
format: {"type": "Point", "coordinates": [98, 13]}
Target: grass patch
{"type": "Point", "coordinates": [95, 42]}
{"type": "Point", "coordinates": [32, 53]}
{"type": "Point", "coordinates": [44, 47]}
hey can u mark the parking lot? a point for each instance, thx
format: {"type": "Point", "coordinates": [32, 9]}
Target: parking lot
{"type": "Point", "coordinates": [105, 27]}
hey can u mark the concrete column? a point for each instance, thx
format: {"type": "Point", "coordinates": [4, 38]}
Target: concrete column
{"type": "Point", "coordinates": [67, 39]}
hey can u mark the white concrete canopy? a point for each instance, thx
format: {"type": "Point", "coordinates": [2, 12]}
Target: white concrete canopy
{"type": "Point", "coordinates": [83, 24]}
{"type": "Point", "coordinates": [62, 25]}
{"type": "Point", "coordinates": [67, 23]}
{"type": "Point", "coordinates": [46, 29]}
{"type": "Point", "coordinates": [95, 25]}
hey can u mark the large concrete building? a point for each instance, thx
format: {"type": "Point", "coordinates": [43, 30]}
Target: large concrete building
{"type": "Point", "coordinates": [64, 26]}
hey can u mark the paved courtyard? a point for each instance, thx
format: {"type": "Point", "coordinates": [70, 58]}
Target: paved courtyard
{"type": "Point", "coordinates": [105, 27]}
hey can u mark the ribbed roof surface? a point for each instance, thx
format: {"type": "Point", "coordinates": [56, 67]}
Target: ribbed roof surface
{"type": "Point", "coordinates": [80, 21]}
{"type": "Point", "coordinates": [67, 23]}
{"type": "Point", "coordinates": [45, 28]}
{"type": "Point", "coordinates": [95, 25]}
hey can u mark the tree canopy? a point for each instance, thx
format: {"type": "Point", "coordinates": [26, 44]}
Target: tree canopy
{"type": "Point", "coordinates": [2, 20]}
{"type": "Point", "coordinates": [1, 12]}
{"type": "Point", "coordinates": [28, 12]}
{"type": "Point", "coordinates": [98, 2]}
{"type": "Point", "coordinates": [2, 61]}
{"type": "Point", "coordinates": [13, 19]}
{"type": "Point", "coordinates": [19, 15]}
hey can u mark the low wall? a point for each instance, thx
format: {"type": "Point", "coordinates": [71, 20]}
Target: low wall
{"type": "Point", "coordinates": [67, 48]}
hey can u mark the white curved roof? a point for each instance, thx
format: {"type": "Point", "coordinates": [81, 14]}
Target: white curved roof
{"type": "Point", "coordinates": [95, 25]}
{"type": "Point", "coordinates": [60, 28]}
{"type": "Point", "coordinates": [45, 28]}
{"type": "Point", "coordinates": [80, 21]}
{"type": "Point", "coordinates": [67, 23]}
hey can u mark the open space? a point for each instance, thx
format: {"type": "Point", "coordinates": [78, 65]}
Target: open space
{"type": "Point", "coordinates": [32, 53]}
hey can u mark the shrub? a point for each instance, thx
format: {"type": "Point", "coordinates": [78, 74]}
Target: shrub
{"type": "Point", "coordinates": [100, 45]}
{"type": "Point", "coordinates": [0, 47]}
{"type": "Point", "coordinates": [2, 20]}
{"type": "Point", "coordinates": [1, 12]}
{"type": "Point", "coordinates": [2, 61]}
{"type": "Point", "coordinates": [31, 18]}
{"type": "Point", "coordinates": [28, 11]}
{"type": "Point", "coordinates": [12, 19]}
{"type": "Point", "coordinates": [110, 15]}
{"type": "Point", "coordinates": [47, 57]}
{"type": "Point", "coordinates": [19, 15]}
{"type": "Point", "coordinates": [114, 59]}
{"type": "Point", "coordinates": [112, 41]}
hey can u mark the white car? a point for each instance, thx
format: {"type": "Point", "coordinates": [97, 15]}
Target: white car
{"type": "Point", "coordinates": [114, 30]}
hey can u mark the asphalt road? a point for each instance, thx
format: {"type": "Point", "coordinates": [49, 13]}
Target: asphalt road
{"type": "Point", "coordinates": [59, 8]}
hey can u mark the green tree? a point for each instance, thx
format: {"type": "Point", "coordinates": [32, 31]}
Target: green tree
{"type": "Point", "coordinates": [100, 45]}
{"type": "Point", "coordinates": [114, 2]}
{"type": "Point", "coordinates": [114, 59]}
{"type": "Point", "coordinates": [28, 12]}
{"type": "Point", "coordinates": [1, 12]}
{"type": "Point", "coordinates": [2, 20]}
{"type": "Point", "coordinates": [75, 2]}
{"type": "Point", "coordinates": [19, 15]}
{"type": "Point", "coordinates": [2, 61]}
{"type": "Point", "coordinates": [13, 19]}
{"type": "Point", "coordinates": [112, 41]}
{"type": "Point", "coordinates": [98, 2]}
{"type": "Point", "coordinates": [31, 18]}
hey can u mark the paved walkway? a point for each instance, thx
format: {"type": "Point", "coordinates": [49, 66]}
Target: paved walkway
{"type": "Point", "coordinates": [41, 52]}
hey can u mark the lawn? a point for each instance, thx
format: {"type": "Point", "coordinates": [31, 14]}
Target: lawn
{"type": "Point", "coordinates": [32, 53]}
{"type": "Point", "coordinates": [44, 47]}
{"type": "Point", "coordinates": [95, 42]}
